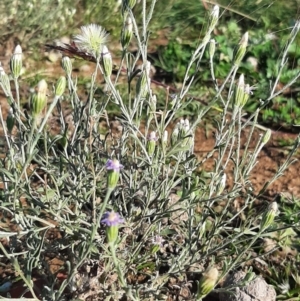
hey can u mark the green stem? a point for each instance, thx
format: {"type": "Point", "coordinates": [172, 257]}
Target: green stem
{"type": "Point", "coordinates": [117, 266]}
{"type": "Point", "coordinates": [18, 269]}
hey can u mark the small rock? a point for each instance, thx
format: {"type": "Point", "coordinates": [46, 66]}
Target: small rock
{"type": "Point", "coordinates": [256, 290]}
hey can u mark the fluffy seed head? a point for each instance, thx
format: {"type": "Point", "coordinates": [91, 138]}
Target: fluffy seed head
{"type": "Point", "coordinates": [91, 39]}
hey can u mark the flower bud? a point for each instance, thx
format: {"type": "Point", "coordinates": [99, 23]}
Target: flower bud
{"type": "Point", "coordinates": [10, 121]}
{"type": "Point", "coordinates": [39, 98]}
{"type": "Point", "coordinates": [266, 137]}
{"type": "Point", "coordinates": [157, 243]}
{"type": "Point", "coordinates": [16, 62]}
{"type": "Point", "coordinates": [269, 216]}
{"type": "Point", "coordinates": [212, 48]}
{"type": "Point", "coordinates": [60, 86]}
{"type": "Point", "coordinates": [106, 62]}
{"type": "Point", "coordinates": [127, 33]}
{"type": "Point", "coordinates": [144, 81]}
{"type": "Point", "coordinates": [67, 65]}
{"type": "Point", "coordinates": [141, 86]}
{"type": "Point", "coordinates": [148, 68]}
{"type": "Point", "coordinates": [165, 138]}
{"type": "Point", "coordinates": [214, 16]}
{"type": "Point", "coordinates": [241, 50]}
{"type": "Point", "coordinates": [207, 282]}
{"type": "Point", "coordinates": [151, 143]}
{"type": "Point", "coordinates": [186, 131]}
{"type": "Point", "coordinates": [112, 220]}
{"type": "Point", "coordinates": [242, 92]}
{"type": "Point", "coordinates": [4, 82]}
{"type": "Point", "coordinates": [153, 102]}
{"type": "Point", "coordinates": [113, 172]}
{"type": "Point", "coordinates": [175, 134]}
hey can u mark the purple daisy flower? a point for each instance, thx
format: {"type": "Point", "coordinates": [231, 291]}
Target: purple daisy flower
{"type": "Point", "coordinates": [152, 136]}
{"type": "Point", "coordinates": [112, 219]}
{"type": "Point", "coordinates": [114, 165]}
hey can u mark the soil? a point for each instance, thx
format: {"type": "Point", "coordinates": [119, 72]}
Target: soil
{"type": "Point", "coordinates": [270, 158]}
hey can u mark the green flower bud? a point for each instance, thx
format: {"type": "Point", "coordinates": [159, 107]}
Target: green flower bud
{"type": "Point", "coordinates": [174, 104]}
{"type": "Point", "coordinates": [151, 143]}
{"type": "Point", "coordinates": [144, 81]}
{"type": "Point", "coordinates": [214, 17]}
{"type": "Point", "coordinates": [10, 121]}
{"type": "Point", "coordinates": [269, 216]}
{"type": "Point", "coordinates": [39, 98]}
{"type": "Point", "coordinates": [175, 134]}
{"type": "Point", "coordinates": [67, 65]}
{"type": "Point", "coordinates": [4, 82]}
{"type": "Point", "coordinates": [186, 131]}
{"type": "Point", "coordinates": [165, 138]}
{"type": "Point", "coordinates": [212, 48]}
{"type": "Point", "coordinates": [113, 172]}
{"type": "Point", "coordinates": [148, 68]}
{"type": "Point", "coordinates": [60, 86]}
{"type": "Point", "coordinates": [106, 62]}
{"type": "Point", "coordinates": [241, 50]}
{"type": "Point", "coordinates": [141, 86]}
{"type": "Point", "coordinates": [153, 102]}
{"type": "Point", "coordinates": [241, 93]}
{"type": "Point", "coordinates": [127, 33]}
{"type": "Point", "coordinates": [180, 133]}
{"type": "Point", "coordinates": [16, 62]}
{"type": "Point", "coordinates": [207, 282]}
{"type": "Point", "coordinates": [185, 128]}
{"type": "Point", "coordinates": [205, 40]}
{"type": "Point", "coordinates": [247, 92]}
{"type": "Point", "coordinates": [266, 137]}
{"type": "Point", "coordinates": [112, 234]}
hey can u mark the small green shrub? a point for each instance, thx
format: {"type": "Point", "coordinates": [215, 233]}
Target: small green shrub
{"type": "Point", "coordinates": [131, 205]}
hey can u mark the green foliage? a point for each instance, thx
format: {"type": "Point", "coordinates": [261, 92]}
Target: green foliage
{"type": "Point", "coordinates": [267, 39]}
{"type": "Point", "coordinates": [173, 59]}
{"type": "Point", "coordinates": [27, 21]}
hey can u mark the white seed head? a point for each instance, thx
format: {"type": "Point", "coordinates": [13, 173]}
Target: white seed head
{"type": "Point", "coordinates": [91, 39]}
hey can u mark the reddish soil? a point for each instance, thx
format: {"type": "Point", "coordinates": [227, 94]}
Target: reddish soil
{"type": "Point", "coordinates": [269, 160]}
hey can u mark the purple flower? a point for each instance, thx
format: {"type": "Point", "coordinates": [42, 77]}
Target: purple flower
{"type": "Point", "coordinates": [114, 165]}
{"type": "Point", "coordinates": [112, 219]}
{"type": "Point", "coordinates": [157, 240]}
{"type": "Point", "coordinates": [151, 143]}
{"type": "Point", "coordinates": [157, 243]}
{"type": "Point", "coordinates": [152, 136]}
